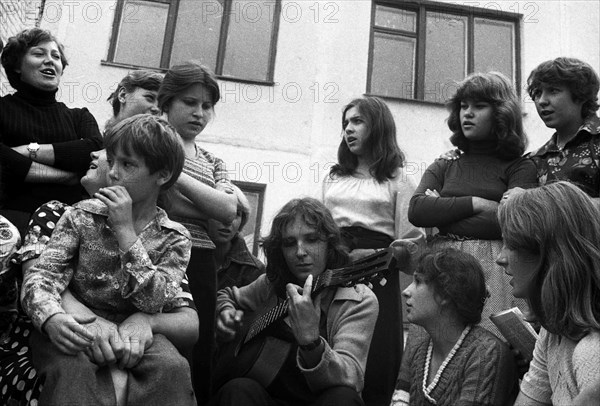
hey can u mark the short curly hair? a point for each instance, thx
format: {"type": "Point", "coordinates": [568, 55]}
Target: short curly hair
{"type": "Point", "coordinates": [16, 48]}
{"type": "Point", "coordinates": [578, 76]}
{"type": "Point", "coordinates": [457, 277]}
{"type": "Point", "coordinates": [496, 89]}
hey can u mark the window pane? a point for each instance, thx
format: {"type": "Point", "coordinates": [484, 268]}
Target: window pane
{"type": "Point", "coordinates": [445, 55]}
{"type": "Point", "coordinates": [197, 32]}
{"type": "Point", "coordinates": [395, 18]}
{"type": "Point", "coordinates": [393, 66]}
{"type": "Point", "coordinates": [494, 46]}
{"type": "Point", "coordinates": [248, 40]}
{"type": "Point", "coordinates": [141, 33]}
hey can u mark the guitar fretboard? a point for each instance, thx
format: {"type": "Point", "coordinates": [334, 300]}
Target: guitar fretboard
{"type": "Point", "coordinates": [280, 311]}
{"type": "Point", "coordinates": [355, 273]}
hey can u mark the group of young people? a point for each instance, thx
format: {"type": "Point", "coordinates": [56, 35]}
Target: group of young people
{"type": "Point", "coordinates": [121, 287]}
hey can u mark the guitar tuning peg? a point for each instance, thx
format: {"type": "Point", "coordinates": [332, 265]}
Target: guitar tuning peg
{"type": "Point", "coordinates": [370, 285]}
{"type": "Point", "coordinates": [382, 282]}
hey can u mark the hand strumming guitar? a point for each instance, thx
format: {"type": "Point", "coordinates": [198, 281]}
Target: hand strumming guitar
{"type": "Point", "coordinates": [229, 323]}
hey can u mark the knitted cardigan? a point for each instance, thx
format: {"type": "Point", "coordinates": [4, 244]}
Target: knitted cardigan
{"type": "Point", "coordinates": [482, 372]}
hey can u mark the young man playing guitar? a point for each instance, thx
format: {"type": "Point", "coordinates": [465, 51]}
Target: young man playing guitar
{"type": "Point", "coordinates": [328, 332]}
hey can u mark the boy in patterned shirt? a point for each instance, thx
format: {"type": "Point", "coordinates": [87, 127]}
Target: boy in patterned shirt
{"type": "Point", "coordinates": [117, 253]}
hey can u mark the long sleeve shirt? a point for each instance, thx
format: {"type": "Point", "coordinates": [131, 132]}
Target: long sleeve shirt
{"type": "Point", "coordinates": [83, 254]}
{"type": "Point", "coordinates": [457, 181]}
{"type": "Point", "coordinates": [35, 116]}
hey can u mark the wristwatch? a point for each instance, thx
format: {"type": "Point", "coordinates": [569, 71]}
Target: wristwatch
{"type": "Point", "coordinates": [33, 149]}
{"type": "Point", "coordinates": [311, 346]}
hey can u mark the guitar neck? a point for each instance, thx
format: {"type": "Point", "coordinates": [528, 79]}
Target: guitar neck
{"type": "Point", "coordinates": [279, 311]}
{"type": "Point", "coordinates": [358, 272]}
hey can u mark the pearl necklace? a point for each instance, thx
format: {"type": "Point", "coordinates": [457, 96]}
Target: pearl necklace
{"type": "Point", "coordinates": [428, 389]}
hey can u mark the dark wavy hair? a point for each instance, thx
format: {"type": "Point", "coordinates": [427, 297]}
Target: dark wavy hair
{"type": "Point", "coordinates": [314, 214]}
{"type": "Point", "coordinates": [496, 89]}
{"type": "Point", "coordinates": [179, 77]}
{"type": "Point", "coordinates": [578, 76]}
{"type": "Point", "coordinates": [151, 137]}
{"type": "Point", "coordinates": [16, 47]}
{"type": "Point", "coordinates": [457, 277]}
{"type": "Point", "coordinates": [145, 79]}
{"type": "Point", "coordinates": [559, 225]}
{"type": "Point", "coordinates": [382, 143]}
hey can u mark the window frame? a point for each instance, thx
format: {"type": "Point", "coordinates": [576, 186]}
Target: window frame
{"type": "Point", "coordinates": [259, 190]}
{"type": "Point", "coordinates": [165, 60]}
{"type": "Point", "coordinates": [421, 7]}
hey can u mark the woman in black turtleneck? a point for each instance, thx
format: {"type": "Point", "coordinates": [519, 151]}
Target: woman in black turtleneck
{"type": "Point", "coordinates": [44, 146]}
{"type": "Point", "coordinates": [460, 197]}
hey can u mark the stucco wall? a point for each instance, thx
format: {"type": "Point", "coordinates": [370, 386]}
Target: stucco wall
{"type": "Point", "coordinates": [286, 135]}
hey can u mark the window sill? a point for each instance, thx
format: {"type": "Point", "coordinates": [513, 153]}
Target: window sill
{"type": "Point", "coordinates": [404, 100]}
{"type": "Point", "coordinates": [163, 70]}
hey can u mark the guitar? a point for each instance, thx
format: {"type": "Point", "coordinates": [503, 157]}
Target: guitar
{"type": "Point", "coordinates": [260, 356]}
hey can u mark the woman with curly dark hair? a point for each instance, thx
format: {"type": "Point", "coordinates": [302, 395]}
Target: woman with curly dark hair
{"type": "Point", "coordinates": [329, 333]}
{"type": "Point", "coordinates": [451, 360]}
{"type": "Point", "coordinates": [460, 197]}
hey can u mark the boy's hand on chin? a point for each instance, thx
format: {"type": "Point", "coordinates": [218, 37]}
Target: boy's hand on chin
{"type": "Point", "coordinates": [119, 205]}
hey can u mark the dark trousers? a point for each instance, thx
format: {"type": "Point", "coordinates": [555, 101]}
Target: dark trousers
{"type": "Point", "coordinates": [383, 362]}
{"type": "Point", "coordinates": [247, 392]}
{"type": "Point", "coordinates": [162, 377]}
{"type": "Point", "coordinates": [202, 276]}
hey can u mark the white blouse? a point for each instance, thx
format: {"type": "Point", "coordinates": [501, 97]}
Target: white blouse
{"type": "Point", "coordinates": [359, 200]}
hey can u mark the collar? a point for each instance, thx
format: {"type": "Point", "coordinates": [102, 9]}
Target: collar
{"type": "Point", "coordinates": [590, 126]}
{"type": "Point", "coordinates": [35, 96]}
{"type": "Point", "coordinates": [161, 220]}
{"type": "Point", "coordinates": [239, 253]}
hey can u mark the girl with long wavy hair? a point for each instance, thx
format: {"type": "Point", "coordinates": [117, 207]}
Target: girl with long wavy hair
{"type": "Point", "coordinates": [367, 192]}
{"type": "Point", "coordinates": [460, 197]}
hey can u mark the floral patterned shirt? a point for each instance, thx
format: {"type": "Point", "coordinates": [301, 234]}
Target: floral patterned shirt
{"type": "Point", "coordinates": [83, 254]}
{"type": "Point", "coordinates": [578, 161]}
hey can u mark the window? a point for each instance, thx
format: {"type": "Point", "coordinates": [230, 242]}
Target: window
{"type": "Point", "coordinates": [420, 49]}
{"type": "Point", "coordinates": [235, 38]}
{"type": "Point", "coordinates": [255, 193]}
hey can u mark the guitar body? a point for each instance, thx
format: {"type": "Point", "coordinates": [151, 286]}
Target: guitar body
{"type": "Point", "coordinates": [257, 355]}
{"type": "Point", "coordinates": [260, 359]}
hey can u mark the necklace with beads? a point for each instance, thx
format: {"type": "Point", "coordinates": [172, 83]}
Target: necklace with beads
{"type": "Point", "coordinates": [428, 389]}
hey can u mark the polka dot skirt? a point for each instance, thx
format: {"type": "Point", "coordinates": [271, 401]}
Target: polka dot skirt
{"type": "Point", "coordinates": [19, 381]}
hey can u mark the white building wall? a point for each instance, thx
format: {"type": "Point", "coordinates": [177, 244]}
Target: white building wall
{"type": "Point", "coordinates": [286, 135]}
